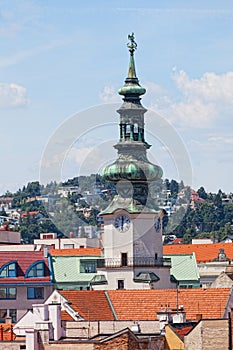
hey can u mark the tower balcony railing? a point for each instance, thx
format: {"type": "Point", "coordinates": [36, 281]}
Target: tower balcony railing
{"type": "Point", "coordinates": [133, 262]}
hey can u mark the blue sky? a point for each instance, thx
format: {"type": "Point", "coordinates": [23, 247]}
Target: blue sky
{"type": "Point", "coordinates": [59, 58]}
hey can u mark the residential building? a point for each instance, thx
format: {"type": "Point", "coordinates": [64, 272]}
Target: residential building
{"type": "Point", "coordinates": [35, 214]}
{"type": "Point", "coordinates": [144, 305]}
{"type": "Point", "coordinates": [65, 191]}
{"type": "Point", "coordinates": [184, 270]}
{"type": "Point", "coordinates": [209, 334]}
{"type": "Point", "coordinates": [24, 280]}
{"type": "Point", "coordinates": [212, 259]}
{"type": "Point", "coordinates": [174, 335]}
{"type": "Point", "coordinates": [6, 203]}
{"type": "Point", "coordinates": [9, 237]}
{"type": "Point", "coordinates": [51, 240]}
{"type": "Point", "coordinates": [94, 319]}
{"type": "Point", "coordinates": [74, 268]}
{"type": "Point", "coordinates": [225, 279]}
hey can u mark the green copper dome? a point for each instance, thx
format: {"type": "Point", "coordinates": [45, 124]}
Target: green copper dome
{"type": "Point", "coordinates": [131, 89]}
{"type": "Point", "coordinates": [135, 170]}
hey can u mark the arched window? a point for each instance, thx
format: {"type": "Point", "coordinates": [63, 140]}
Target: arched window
{"type": "Point", "coordinates": [135, 128]}
{"type": "Point", "coordinates": [127, 128]}
{"type": "Point", "coordinates": [8, 270]}
{"type": "Point", "coordinates": [35, 270]}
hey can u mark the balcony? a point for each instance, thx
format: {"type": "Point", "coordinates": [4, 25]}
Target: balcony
{"type": "Point", "coordinates": [132, 262]}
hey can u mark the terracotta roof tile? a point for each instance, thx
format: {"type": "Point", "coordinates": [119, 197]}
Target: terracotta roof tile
{"type": "Point", "coordinates": [203, 252]}
{"type": "Point", "coordinates": [24, 260]}
{"type": "Point", "coordinates": [7, 332]}
{"type": "Point", "coordinates": [76, 252]}
{"type": "Point", "coordinates": [65, 316]}
{"type": "Point", "coordinates": [182, 329]}
{"type": "Point", "coordinates": [90, 304]}
{"type": "Point", "coordinates": [29, 213]}
{"type": "Point", "coordinates": [144, 304]}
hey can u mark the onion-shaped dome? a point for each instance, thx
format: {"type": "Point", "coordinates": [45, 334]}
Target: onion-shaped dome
{"type": "Point", "coordinates": [132, 171]}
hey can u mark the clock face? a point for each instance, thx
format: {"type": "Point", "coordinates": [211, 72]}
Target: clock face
{"type": "Point", "coordinates": [122, 223]}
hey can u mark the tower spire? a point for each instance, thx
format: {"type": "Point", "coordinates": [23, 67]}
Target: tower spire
{"type": "Point", "coordinates": [132, 163]}
{"type": "Point", "coordinates": [132, 45]}
{"type": "Point", "coordinates": [132, 88]}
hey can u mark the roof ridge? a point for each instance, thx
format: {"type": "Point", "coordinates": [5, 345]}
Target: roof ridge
{"type": "Point", "coordinates": [111, 305]}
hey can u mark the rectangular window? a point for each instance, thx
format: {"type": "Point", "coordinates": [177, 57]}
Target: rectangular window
{"type": "Point", "coordinates": [7, 293]}
{"type": "Point", "coordinates": [13, 315]}
{"type": "Point", "coordinates": [88, 266]}
{"type": "Point", "coordinates": [8, 313]}
{"type": "Point", "coordinates": [124, 259]}
{"type": "Point", "coordinates": [12, 270]}
{"type": "Point", "coordinates": [120, 284]}
{"type": "Point", "coordinates": [68, 246]}
{"type": "Point", "coordinates": [35, 293]}
{"type": "Point", "coordinates": [3, 314]}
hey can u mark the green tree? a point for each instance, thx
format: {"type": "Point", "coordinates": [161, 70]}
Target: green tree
{"type": "Point", "coordinates": [202, 193]}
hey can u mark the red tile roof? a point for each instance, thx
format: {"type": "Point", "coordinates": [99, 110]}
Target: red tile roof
{"type": "Point", "coordinates": [177, 241]}
{"type": "Point", "coordinates": [65, 316]}
{"type": "Point", "coordinates": [203, 252]}
{"type": "Point", "coordinates": [76, 252]}
{"type": "Point", "coordinates": [6, 332]}
{"type": "Point", "coordinates": [29, 213]}
{"type": "Point", "coordinates": [92, 305]}
{"type": "Point", "coordinates": [144, 304]}
{"type": "Point", "coordinates": [24, 260]}
{"type": "Point", "coordinates": [182, 330]}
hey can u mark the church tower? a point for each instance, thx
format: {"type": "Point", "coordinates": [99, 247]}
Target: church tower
{"type": "Point", "coordinates": [133, 256]}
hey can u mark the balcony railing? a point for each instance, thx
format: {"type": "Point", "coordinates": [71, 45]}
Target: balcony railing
{"type": "Point", "coordinates": [133, 262]}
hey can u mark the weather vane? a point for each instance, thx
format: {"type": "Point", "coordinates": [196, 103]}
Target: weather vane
{"type": "Point", "coordinates": [132, 45]}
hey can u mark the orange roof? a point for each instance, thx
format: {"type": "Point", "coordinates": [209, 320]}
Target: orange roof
{"type": "Point", "coordinates": [92, 305]}
{"type": "Point", "coordinates": [7, 331]}
{"type": "Point", "coordinates": [76, 252]}
{"type": "Point", "coordinates": [144, 304]}
{"type": "Point", "coordinates": [203, 252]}
{"type": "Point", "coordinates": [65, 316]}
{"type": "Point", "coordinates": [133, 305]}
{"type": "Point", "coordinates": [29, 213]}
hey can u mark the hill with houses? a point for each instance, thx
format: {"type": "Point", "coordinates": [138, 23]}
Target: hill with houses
{"type": "Point", "coordinates": [75, 204]}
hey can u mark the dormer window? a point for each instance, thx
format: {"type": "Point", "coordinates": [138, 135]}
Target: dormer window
{"type": "Point", "coordinates": [8, 270]}
{"type": "Point", "coordinates": [35, 270]}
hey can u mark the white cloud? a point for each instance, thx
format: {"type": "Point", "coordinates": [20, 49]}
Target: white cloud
{"type": "Point", "coordinates": [204, 101]}
{"type": "Point", "coordinates": [201, 103]}
{"type": "Point", "coordinates": [12, 95]}
{"type": "Point", "coordinates": [109, 95]}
